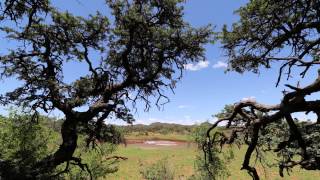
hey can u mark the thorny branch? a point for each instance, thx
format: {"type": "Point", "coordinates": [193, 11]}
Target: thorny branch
{"type": "Point", "coordinates": [251, 125]}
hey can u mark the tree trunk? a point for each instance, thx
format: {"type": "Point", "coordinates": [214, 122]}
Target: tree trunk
{"type": "Point", "coordinates": [65, 151]}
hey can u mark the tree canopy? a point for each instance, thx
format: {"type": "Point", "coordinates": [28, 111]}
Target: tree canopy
{"type": "Point", "coordinates": [270, 32]}
{"type": "Point", "coordinates": [141, 52]}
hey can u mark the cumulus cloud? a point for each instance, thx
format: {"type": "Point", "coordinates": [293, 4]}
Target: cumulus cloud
{"type": "Point", "coordinates": [220, 64]}
{"type": "Point", "coordinates": [251, 98]}
{"type": "Point", "coordinates": [198, 66]}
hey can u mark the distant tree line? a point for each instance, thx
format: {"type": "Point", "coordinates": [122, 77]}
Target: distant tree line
{"type": "Point", "coordinates": [161, 128]}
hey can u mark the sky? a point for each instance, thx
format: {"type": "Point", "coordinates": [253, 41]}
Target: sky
{"type": "Point", "coordinates": [205, 87]}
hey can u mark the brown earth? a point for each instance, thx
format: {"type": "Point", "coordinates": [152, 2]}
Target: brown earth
{"type": "Point", "coordinates": [158, 143]}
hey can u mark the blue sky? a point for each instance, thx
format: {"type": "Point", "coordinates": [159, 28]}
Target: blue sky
{"type": "Point", "coordinates": [205, 87]}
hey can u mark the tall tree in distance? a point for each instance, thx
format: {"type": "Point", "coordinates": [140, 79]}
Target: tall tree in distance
{"type": "Point", "coordinates": [272, 31]}
{"type": "Point", "coordinates": [138, 54]}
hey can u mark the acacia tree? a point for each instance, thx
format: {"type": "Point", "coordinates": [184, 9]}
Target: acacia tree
{"type": "Point", "coordinates": [141, 52]}
{"type": "Point", "coordinates": [270, 32]}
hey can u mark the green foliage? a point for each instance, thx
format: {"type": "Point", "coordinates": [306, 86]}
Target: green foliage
{"type": "Point", "coordinates": [107, 133]}
{"type": "Point", "coordinates": [275, 138]}
{"type": "Point", "coordinates": [141, 50]}
{"type": "Point", "coordinates": [95, 159]}
{"type": "Point", "coordinates": [272, 30]}
{"type": "Point", "coordinates": [23, 141]}
{"type": "Point", "coordinates": [161, 128]}
{"type": "Point", "coordinates": [217, 167]}
{"type": "Point", "coordinates": [15, 10]}
{"type": "Point", "coordinates": [160, 170]}
{"type": "Point", "coordinates": [199, 133]}
{"type": "Point", "coordinates": [226, 111]}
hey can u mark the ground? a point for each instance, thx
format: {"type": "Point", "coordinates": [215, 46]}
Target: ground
{"type": "Point", "coordinates": [181, 158]}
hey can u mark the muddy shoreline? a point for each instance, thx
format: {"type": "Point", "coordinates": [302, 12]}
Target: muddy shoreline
{"type": "Point", "coordinates": [154, 143]}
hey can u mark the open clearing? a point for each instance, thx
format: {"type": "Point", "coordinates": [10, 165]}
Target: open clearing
{"type": "Point", "coordinates": [181, 156]}
{"type": "Point", "coordinates": [140, 154]}
{"type": "Point", "coordinates": [153, 144]}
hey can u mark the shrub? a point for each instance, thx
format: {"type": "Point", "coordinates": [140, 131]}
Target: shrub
{"type": "Point", "coordinates": [95, 159]}
{"type": "Point", "coordinates": [158, 171]}
{"type": "Point", "coordinates": [204, 169]}
{"type": "Point", "coordinates": [24, 141]}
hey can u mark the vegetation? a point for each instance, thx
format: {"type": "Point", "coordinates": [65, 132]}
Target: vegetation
{"type": "Point", "coordinates": [268, 32]}
{"type": "Point", "coordinates": [138, 53]}
{"type": "Point", "coordinates": [161, 128]}
{"type": "Point", "coordinates": [158, 136]}
{"type": "Point", "coordinates": [217, 166]}
{"type": "Point", "coordinates": [158, 171]}
{"type": "Point", "coordinates": [99, 162]}
{"type": "Point", "coordinates": [158, 131]}
{"type": "Point", "coordinates": [24, 142]}
{"type": "Point", "coordinates": [103, 163]}
{"type": "Point", "coordinates": [133, 57]}
{"type": "Point", "coordinates": [182, 161]}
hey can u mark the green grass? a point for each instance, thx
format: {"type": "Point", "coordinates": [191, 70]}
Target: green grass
{"type": "Point", "coordinates": [182, 160]}
{"type": "Point", "coordinates": [267, 172]}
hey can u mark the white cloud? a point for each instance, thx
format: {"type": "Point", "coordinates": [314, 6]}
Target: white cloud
{"type": "Point", "coordinates": [183, 106]}
{"type": "Point", "coordinates": [251, 98]}
{"type": "Point", "coordinates": [220, 64]}
{"type": "Point", "coordinates": [198, 66]}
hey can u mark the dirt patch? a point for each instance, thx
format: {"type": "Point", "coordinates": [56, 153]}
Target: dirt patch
{"type": "Point", "coordinates": [157, 143]}
{"type": "Point", "coordinates": [161, 143]}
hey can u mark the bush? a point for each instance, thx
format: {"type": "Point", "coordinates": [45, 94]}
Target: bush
{"type": "Point", "coordinates": [158, 171]}
{"type": "Point", "coordinates": [95, 159]}
{"type": "Point", "coordinates": [204, 169]}
{"type": "Point", "coordinates": [24, 141]}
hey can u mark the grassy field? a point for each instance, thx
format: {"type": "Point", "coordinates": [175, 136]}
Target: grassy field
{"type": "Point", "coordinates": [267, 172]}
{"type": "Point", "coordinates": [181, 159]}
